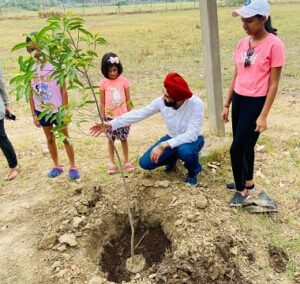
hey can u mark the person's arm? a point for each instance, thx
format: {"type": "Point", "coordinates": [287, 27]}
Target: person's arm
{"type": "Point", "coordinates": [225, 112]}
{"type": "Point", "coordinates": [4, 96]}
{"type": "Point", "coordinates": [128, 100]}
{"type": "Point", "coordinates": [261, 122]}
{"type": "Point", "coordinates": [102, 103]}
{"type": "Point", "coordinates": [128, 118]}
{"type": "Point", "coordinates": [64, 95]}
{"type": "Point", "coordinates": [136, 115]}
{"type": "Point", "coordinates": [34, 116]}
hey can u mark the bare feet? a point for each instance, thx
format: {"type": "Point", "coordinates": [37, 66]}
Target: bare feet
{"type": "Point", "coordinates": [12, 174]}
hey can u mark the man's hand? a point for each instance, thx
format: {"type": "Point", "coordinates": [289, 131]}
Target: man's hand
{"type": "Point", "coordinates": [158, 151]}
{"type": "Point", "coordinates": [99, 128]}
{"type": "Point", "coordinates": [155, 154]}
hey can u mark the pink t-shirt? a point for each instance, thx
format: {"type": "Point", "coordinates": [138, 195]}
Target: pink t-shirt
{"type": "Point", "coordinates": [254, 80]}
{"type": "Point", "coordinates": [46, 90]}
{"type": "Point", "coordinates": [115, 98]}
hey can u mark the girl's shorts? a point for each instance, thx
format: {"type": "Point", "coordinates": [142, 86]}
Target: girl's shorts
{"type": "Point", "coordinates": [120, 133]}
{"type": "Point", "coordinates": [43, 122]}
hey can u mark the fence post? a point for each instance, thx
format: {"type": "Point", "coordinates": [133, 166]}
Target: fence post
{"type": "Point", "coordinates": [210, 40]}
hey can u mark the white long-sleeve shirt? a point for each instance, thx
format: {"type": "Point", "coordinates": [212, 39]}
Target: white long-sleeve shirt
{"type": "Point", "coordinates": [184, 124]}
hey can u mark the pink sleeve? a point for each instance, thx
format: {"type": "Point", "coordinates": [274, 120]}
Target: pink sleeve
{"type": "Point", "coordinates": [101, 85]}
{"type": "Point", "coordinates": [126, 83]}
{"type": "Point", "coordinates": [236, 51]}
{"type": "Point", "coordinates": [278, 54]}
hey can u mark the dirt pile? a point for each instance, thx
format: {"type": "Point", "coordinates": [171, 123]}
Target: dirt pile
{"type": "Point", "coordinates": [204, 242]}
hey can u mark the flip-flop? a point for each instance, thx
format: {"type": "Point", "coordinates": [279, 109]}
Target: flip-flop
{"type": "Point", "coordinates": [111, 169]}
{"type": "Point", "coordinates": [128, 167]}
{"type": "Point", "coordinates": [74, 174]}
{"type": "Point", "coordinates": [55, 172]}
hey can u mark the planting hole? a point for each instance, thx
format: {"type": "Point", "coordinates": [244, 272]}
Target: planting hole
{"type": "Point", "coordinates": [151, 243]}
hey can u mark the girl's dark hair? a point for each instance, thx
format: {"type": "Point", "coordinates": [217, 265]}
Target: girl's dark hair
{"type": "Point", "coordinates": [106, 64]}
{"type": "Point", "coordinates": [29, 36]}
{"type": "Point", "coordinates": [268, 25]}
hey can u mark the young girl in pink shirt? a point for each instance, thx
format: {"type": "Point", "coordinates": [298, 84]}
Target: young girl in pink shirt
{"type": "Point", "coordinates": [46, 93]}
{"type": "Point", "coordinates": [259, 58]}
{"type": "Point", "coordinates": [115, 101]}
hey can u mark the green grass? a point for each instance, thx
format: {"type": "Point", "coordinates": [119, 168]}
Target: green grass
{"type": "Point", "coordinates": [286, 243]}
{"type": "Point", "coordinates": [290, 269]}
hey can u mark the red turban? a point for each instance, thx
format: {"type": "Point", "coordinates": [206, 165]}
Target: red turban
{"type": "Point", "coordinates": [177, 88]}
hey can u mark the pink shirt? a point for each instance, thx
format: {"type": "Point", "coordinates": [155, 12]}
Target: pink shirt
{"type": "Point", "coordinates": [115, 98]}
{"type": "Point", "coordinates": [254, 80]}
{"type": "Point", "coordinates": [45, 89]}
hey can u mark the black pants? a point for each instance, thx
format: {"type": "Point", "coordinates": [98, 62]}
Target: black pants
{"type": "Point", "coordinates": [6, 147]}
{"type": "Point", "coordinates": [245, 111]}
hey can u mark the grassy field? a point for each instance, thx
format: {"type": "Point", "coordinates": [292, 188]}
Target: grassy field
{"type": "Point", "coordinates": [150, 45]}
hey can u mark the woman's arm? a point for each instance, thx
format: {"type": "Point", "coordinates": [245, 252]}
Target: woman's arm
{"type": "Point", "coordinates": [4, 96]}
{"type": "Point", "coordinates": [261, 122]}
{"type": "Point", "coordinates": [225, 112]}
{"type": "Point", "coordinates": [3, 92]}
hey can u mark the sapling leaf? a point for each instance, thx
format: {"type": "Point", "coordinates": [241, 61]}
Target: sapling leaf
{"type": "Point", "coordinates": [130, 104]}
{"type": "Point", "coordinates": [19, 46]}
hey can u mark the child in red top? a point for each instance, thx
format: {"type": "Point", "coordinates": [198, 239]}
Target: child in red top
{"type": "Point", "coordinates": [114, 101]}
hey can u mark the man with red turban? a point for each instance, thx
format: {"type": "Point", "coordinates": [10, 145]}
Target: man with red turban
{"type": "Point", "coordinates": [183, 114]}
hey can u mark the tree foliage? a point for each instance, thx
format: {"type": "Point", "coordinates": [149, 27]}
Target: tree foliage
{"type": "Point", "coordinates": [71, 49]}
{"type": "Point", "coordinates": [67, 45]}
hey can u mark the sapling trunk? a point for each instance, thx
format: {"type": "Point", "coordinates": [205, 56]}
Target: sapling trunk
{"type": "Point", "coordinates": [85, 74]}
{"type": "Point", "coordinates": [61, 51]}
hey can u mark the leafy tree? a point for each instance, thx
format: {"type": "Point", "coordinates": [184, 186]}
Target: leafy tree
{"type": "Point", "coordinates": [72, 50]}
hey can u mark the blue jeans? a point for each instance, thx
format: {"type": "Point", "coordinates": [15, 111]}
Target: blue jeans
{"type": "Point", "coordinates": [188, 153]}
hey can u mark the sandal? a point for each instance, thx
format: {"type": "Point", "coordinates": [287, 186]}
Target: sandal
{"type": "Point", "coordinates": [128, 167]}
{"type": "Point", "coordinates": [111, 169]}
{"type": "Point", "coordinates": [55, 172]}
{"type": "Point", "coordinates": [74, 174]}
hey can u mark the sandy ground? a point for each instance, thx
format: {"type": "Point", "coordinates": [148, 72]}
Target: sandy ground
{"type": "Point", "coordinates": [211, 243]}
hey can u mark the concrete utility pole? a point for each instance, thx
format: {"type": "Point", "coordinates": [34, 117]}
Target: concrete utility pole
{"type": "Point", "coordinates": [211, 46]}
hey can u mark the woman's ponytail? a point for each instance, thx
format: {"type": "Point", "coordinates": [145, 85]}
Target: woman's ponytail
{"type": "Point", "coordinates": [268, 25]}
{"type": "Point", "coordinates": [269, 28]}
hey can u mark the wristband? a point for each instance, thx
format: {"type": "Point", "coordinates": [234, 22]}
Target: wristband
{"type": "Point", "coordinates": [227, 106]}
{"type": "Point", "coordinates": [161, 147]}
